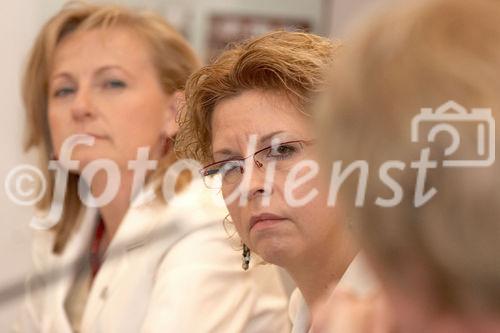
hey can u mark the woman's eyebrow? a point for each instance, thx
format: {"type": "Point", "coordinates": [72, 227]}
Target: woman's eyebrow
{"type": "Point", "coordinates": [106, 68]}
{"type": "Point", "coordinates": [61, 75]}
{"type": "Point", "coordinates": [227, 153]}
{"type": "Point", "coordinates": [224, 153]}
{"type": "Point", "coordinates": [266, 138]}
{"type": "Point", "coordinates": [99, 71]}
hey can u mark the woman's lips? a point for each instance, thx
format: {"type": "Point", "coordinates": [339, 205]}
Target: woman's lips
{"type": "Point", "coordinates": [264, 220]}
{"type": "Point", "coordinates": [97, 136]}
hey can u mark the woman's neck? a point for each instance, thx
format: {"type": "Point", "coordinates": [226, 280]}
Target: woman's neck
{"type": "Point", "coordinates": [113, 212]}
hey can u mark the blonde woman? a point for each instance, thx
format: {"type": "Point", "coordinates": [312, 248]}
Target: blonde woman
{"type": "Point", "coordinates": [247, 117]}
{"type": "Point", "coordinates": [114, 75]}
{"type": "Point", "coordinates": [436, 247]}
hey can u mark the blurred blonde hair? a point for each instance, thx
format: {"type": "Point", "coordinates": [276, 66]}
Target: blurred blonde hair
{"type": "Point", "coordinates": [415, 56]}
{"type": "Point", "coordinates": [171, 54]}
{"type": "Point", "coordinates": [292, 63]}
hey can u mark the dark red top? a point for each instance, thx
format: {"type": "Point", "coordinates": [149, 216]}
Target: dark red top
{"type": "Point", "coordinates": [95, 256]}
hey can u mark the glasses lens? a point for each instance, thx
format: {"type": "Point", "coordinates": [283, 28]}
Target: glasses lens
{"type": "Point", "coordinates": [211, 177]}
{"type": "Point", "coordinates": [228, 172]}
{"type": "Point", "coordinates": [282, 153]}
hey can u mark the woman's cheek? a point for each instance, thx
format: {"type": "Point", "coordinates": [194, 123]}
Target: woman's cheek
{"type": "Point", "coordinates": [241, 231]}
{"type": "Point", "coordinates": [59, 130]}
{"type": "Point", "coordinates": [57, 139]}
{"type": "Point", "coordinates": [235, 216]}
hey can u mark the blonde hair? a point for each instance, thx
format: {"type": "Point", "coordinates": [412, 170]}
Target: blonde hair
{"type": "Point", "coordinates": [171, 54]}
{"type": "Point", "coordinates": [292, 63]}
{"type": "Point", "coordinates": [399, 62]}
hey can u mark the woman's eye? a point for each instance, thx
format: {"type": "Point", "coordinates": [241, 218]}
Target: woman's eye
{"type": "Point", "coordinates": [115, 84]}
{"type": "Point", "coordinates": [63, 92]}
{"type": "Point", "coordinates": [282, 151]}
{"type": "Point", "coordinates": [229, 167]}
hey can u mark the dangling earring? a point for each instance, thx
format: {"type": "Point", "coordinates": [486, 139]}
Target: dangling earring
{"type": "Point", "coordinates": [246, 257]}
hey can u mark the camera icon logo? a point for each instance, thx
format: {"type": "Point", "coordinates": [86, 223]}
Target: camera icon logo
{"type": "Point", "coordinates": [446, 118]}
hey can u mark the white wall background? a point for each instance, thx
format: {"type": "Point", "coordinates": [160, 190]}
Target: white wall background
{"type": "Point", "coordinates": [19, 22]}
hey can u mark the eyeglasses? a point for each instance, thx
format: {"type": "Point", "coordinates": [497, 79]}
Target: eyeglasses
{"type": "Point", "coordinates": [231, 171]}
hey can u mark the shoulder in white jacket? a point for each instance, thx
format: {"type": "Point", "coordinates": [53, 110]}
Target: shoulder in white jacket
{"type": "Point", "coordinates": [169, 268]}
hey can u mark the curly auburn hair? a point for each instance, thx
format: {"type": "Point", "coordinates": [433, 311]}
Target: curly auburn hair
{"type": "Point", "coordinates": [292, 63]}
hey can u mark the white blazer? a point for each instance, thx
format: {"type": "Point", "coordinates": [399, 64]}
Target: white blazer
{"type": "Point", "coordinates": [169, 268]}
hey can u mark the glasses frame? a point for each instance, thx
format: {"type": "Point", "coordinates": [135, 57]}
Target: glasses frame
{"type": "Point", "coordinates": [203, 171]}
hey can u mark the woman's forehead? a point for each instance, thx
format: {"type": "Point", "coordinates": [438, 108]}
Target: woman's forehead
{"type": "Point", "coordinates": [99, 45]}
{"type": "Point", "coordinates": [255, 117]}
{"type": "Point", "coordinates": [257, 112]}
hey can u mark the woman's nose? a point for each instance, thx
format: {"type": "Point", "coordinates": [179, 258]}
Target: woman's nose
{"type": "Point", "coordinates": [82, 107]}
{"type": "Point", "coordinates": [261, 180]}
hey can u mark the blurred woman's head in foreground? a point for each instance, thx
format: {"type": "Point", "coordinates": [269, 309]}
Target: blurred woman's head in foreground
{"type": "Point", "coordinates": [430, 225]}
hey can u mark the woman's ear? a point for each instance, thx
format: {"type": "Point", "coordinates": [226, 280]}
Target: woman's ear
{"type": "Point", "coordinates": [175, 101]}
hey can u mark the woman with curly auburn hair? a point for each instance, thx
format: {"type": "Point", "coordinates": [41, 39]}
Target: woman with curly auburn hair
{"type": "Point", "coordinates": [247, 118]}
{"type": "Point", "coordinates": [140, 262]}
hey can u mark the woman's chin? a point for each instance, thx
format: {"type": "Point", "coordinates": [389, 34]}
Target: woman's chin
{"type": "Point", "coordinates": [80, 161]}
{"type": "Point", "coordinates": [275, 251]}
{"type": "Point", "coordinates": [99, 159]}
